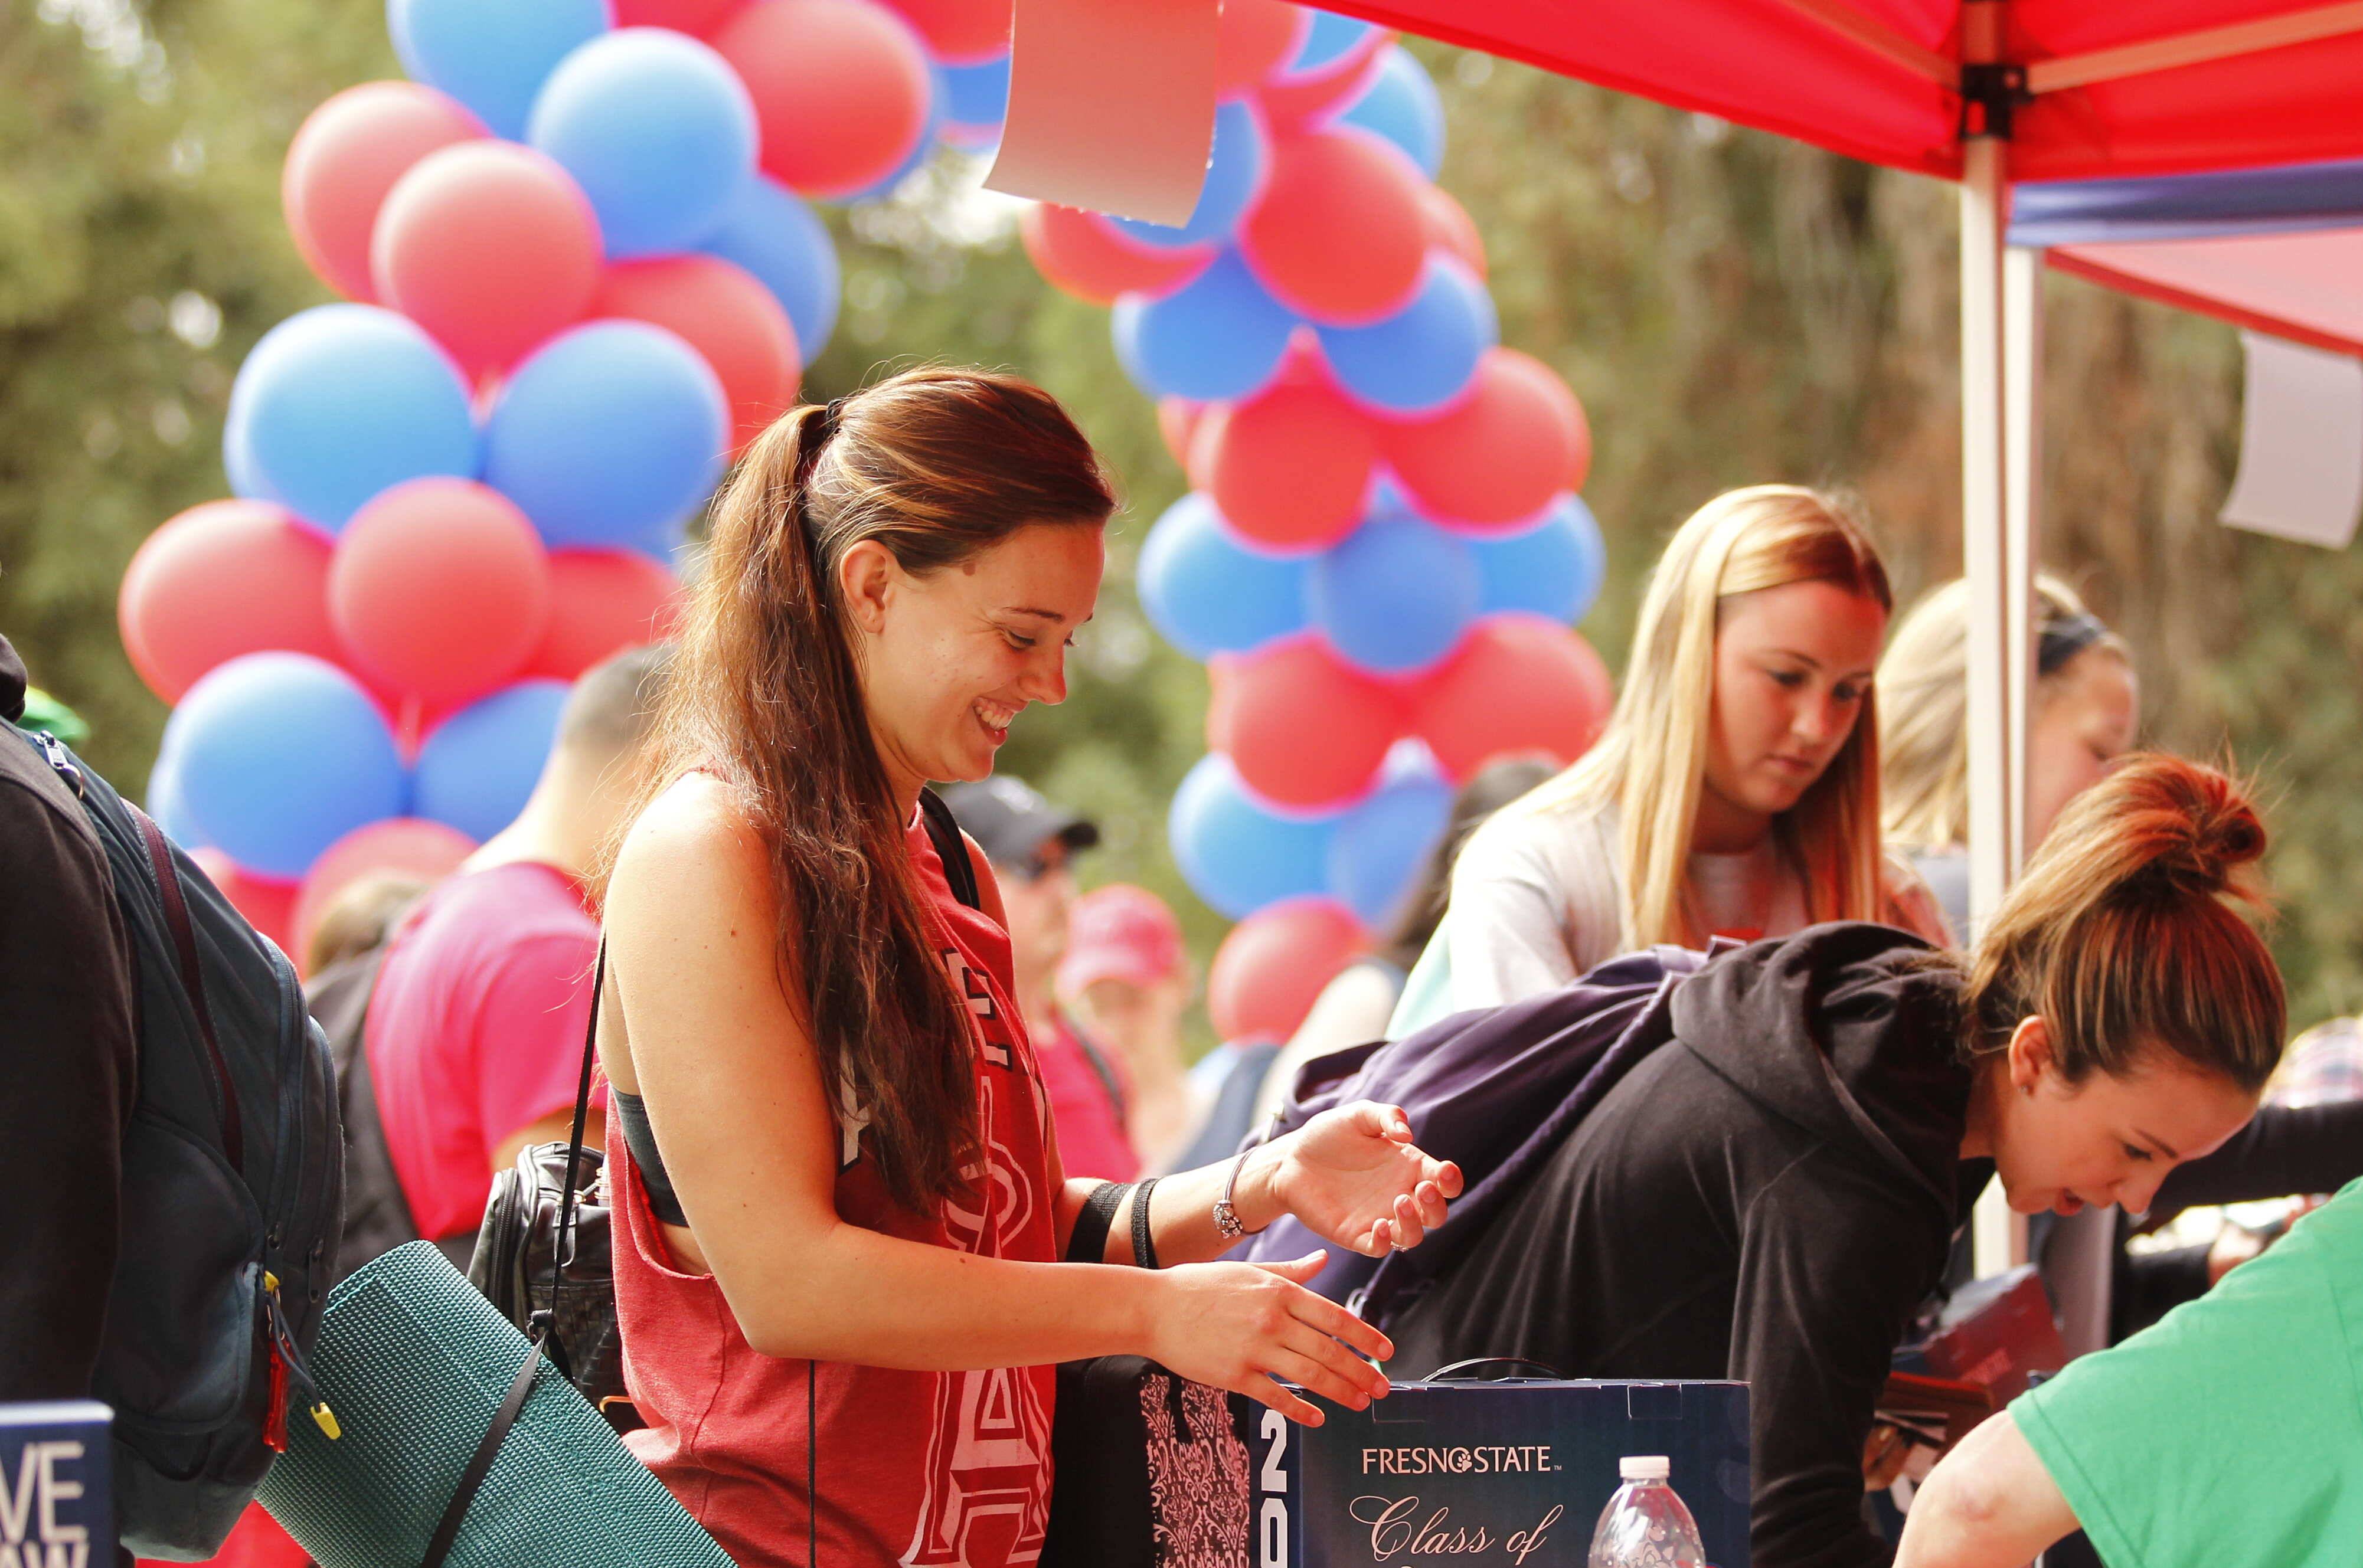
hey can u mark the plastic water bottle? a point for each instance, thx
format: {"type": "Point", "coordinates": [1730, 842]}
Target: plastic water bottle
{"type": "Point", "coordinates": [1645, 1525]}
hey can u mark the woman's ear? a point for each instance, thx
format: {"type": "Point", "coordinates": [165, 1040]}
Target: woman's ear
{"type": "Point", "coordinates": [865, 580]}
{"type": "Point", "coordinates": [2029, 1052]}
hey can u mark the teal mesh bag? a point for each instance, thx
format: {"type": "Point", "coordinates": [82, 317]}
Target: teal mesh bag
{"type": "Point", "coordinates": [416, 1363]}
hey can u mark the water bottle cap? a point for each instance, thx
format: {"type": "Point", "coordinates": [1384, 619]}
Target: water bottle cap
{"type": "Point", "coordinates": [1643, 1467]}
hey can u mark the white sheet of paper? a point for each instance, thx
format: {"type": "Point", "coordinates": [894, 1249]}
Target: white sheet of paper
{"type": "Point", "coordinates": [1111, 106]}
{"type": "Point", "coordinates": [2300, 445]}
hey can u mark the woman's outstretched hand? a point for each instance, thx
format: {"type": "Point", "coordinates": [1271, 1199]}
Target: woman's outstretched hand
{"type": "Point", "coordinates": [1241, 1326]}
{"type": "Point", "coordinates": [1353, 1175]}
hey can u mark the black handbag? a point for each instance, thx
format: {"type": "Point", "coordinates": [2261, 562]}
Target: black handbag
{"type": "Point", "coordinates": [544, 1256]}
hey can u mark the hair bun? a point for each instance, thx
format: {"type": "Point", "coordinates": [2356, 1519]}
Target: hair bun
{"type": "Point", "coordinates": [2189, 829]}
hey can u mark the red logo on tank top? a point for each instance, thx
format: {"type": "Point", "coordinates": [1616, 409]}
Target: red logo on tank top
{"type": "Point", "coordinates": [993, 1033]}
{"type": "Point", "coordinates": [987, 1463]}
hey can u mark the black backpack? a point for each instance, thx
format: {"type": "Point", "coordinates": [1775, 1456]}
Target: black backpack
{"type": "Point", "coordinates": [378, 1216]}
{"type": "Point", "coordinates": [233, 1188]}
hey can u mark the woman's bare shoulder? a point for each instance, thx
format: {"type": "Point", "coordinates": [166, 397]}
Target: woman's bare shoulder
{"type": "Point", "coordinates": [693, 841]}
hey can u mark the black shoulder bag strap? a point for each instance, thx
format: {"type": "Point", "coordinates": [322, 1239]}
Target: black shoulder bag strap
{"type": "Point", "coordinates": [943, 830]}
{"type": "Point", "coordinates": [543, 1332]}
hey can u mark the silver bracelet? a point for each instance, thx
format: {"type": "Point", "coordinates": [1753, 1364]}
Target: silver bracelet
{"type": "Point", "coordinates": [1227, 1218]}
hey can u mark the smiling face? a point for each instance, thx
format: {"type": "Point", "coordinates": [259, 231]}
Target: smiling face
{"type": "Point", "coordinates": [1792, 667]}
{"type": "Point", "coordinates": [2086, 721]}
{"type": "Point", "coordinates": [949, 659]}
{"type": "Point", "coordinates": [2109, 1139]}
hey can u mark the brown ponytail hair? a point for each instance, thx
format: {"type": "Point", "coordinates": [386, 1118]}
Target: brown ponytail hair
{"type": "Point", "coordinates": [2125, 934]}
{"type": "Point", "coordinates": [937, 465]}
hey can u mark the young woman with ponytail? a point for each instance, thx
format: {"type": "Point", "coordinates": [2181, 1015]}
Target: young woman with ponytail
{"type": "Point", "coordinates": [839, 1206]}
{"type": "Point", "coordinates": [1734, 791]}
{"type": "Point", "coordinates": [1772, 1191]}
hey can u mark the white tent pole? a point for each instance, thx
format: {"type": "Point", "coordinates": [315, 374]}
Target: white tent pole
{"type": "Point", "coordinates": [1984, 539]}
{"type": "Point", "coordinates": [2022, 362]}
{"type": "Point", "coordinates": [1999, 1236]}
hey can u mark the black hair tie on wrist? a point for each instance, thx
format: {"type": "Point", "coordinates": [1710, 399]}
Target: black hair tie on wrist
{"type": "Point", "coordinates": [1144, 1246]}
{"type": "Point", "coordinates": [1088, 1242]}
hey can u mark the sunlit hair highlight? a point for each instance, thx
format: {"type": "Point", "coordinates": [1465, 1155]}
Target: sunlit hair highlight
{"type": "Point", "coordinates": [938, 465]}
{"type": "Point", "coordinates": [1651, 760]}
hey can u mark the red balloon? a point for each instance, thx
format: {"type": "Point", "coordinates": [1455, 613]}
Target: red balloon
{"type": "Point", "coordinates": [1289, 100]}
{"type": "Point", "coordinates": [347, 156]}
{"type": "Point", "coordinates": [221, 579]}
{"type": "Point", "coordinates": [1516, 439]}
{"type": "Point", "coordinates": [723, 312]}
{"type": "Point", "coordinates": [1273, 965]}
{"type": "Point", "coordinates": [1338, 236]}
{"type": "Point", "coordinates": [268, 904]}
{"type": "Point", "coordinates": [841, 87]}
{"type": "Point", "coordinates": [1291, 468]}
{"type": "Point", "coordinates": [490, 247]}
{"type": "Point", "coordinates": [1088, 258]}
{"type": "Point", "coordinates": [697, 17]}
{"type": "Point", "coordinates": [1257, 38]}
{"type": "Point", "coordinates": [1518, 683]}
{"type": "Point", "coordinates": [440, 589]}
{"type": "Point", "coordinates": [601, 602]}
{"type": "Point", "coordinates": [960, 32]}
{"type": "Point", "coordinates": [1448, 225]}
{"type": "Point", "coordinates": [401, 846]}
{"type": "Point", "coordinates": [1306, 731]}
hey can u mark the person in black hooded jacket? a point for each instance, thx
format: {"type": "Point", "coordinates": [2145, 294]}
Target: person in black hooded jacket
{"type": "Point", "coordinates": [1770, 1195]}
{"type": "Point", "coordinates": [69, 1061]}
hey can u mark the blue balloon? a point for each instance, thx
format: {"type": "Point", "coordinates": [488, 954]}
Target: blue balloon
{"type": "Point", "coordinates": [607, 434]}
{"type": "Point", "coordinates": [774, 235]}
{"type": "Point", "coordinates": [1218, 338]}
{"type": "Point", "coordinates": [1552, 568]}
{"type": "Point", "coordinates": [491, 55]}
{"type": "Point", "coordinates": [921, 150]}
{"type": "Point", "coordinates": [277, 755]}
{"type": "Point", "coordinates": [165, 805]}
{"type": "Point", "coordinates": [1396, 595]}
{"type": "Point", "coordinates": [1424, 354]}
{"type": "Point", "coordinates": [976, 99]}
{"type": "Point", "coordinates": [1400, 105]}
{"type": "Point", "coordinates": [238, 466]}
{"type": "Point", "coordinates": [1209, 594]}
{"type": "Point", "coordinates": [1237, 854]}
{"type": "Point", "coordinates": [476, 770]}
{"type": "Point", "coordinates": [339, 402]}
{"type": "Point", "coordinates": [1383, 844]}
{"type": "Point", "coordinates": [1330, 39]}
{"type": "Point", "coordinates": [1234, 176]}
{"type": "Point", "coordinates": [657, 130]}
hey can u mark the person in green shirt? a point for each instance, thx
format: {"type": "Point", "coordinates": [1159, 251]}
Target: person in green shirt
{"type": "Point", "coordinates": [2229, 1434]}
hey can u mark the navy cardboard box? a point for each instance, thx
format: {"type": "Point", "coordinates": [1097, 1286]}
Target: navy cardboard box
{"type": "Point", "coordinates": [57, 1484]}
{"type": "Point", "coordinates": [1514, 1472]}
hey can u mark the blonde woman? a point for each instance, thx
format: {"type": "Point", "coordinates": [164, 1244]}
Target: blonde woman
{"type": "Point", "coordinates": [1735, 790]}
{"type": "Point", "coordinates": [2088, 706]}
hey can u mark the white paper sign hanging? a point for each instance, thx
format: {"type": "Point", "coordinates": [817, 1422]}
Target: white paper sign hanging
{"type": "Point", "coordinates": [1111, 106]}
{"type": "Point", "coordinates": [2300, 445]}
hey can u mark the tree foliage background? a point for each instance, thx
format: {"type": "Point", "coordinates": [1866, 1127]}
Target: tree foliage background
{"type": "Point", "coordinates": [1731, 307]}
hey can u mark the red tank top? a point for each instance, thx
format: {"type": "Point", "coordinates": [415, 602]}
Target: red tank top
{"type": "Point", "coordinates": [844, 1466]}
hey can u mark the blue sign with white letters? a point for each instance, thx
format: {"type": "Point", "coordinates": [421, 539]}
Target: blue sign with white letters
{"type": "Point", "coordinates": [57, 1491]}
{"type": "Point", "coordinates": [1512, 1472]}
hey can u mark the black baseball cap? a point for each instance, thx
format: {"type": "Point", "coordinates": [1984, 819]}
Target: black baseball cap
{"type": "Point", "coordinates": [1012, 821]}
